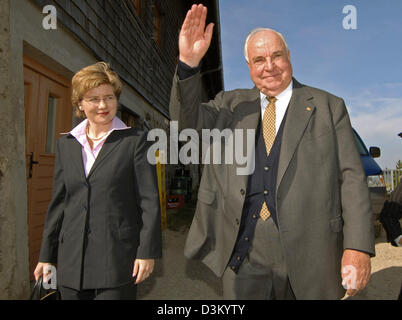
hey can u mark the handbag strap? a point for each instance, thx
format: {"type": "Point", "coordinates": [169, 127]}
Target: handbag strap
{"type": "Point", "coordinates": [37, 286]}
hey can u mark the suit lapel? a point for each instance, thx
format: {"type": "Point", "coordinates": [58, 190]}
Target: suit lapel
{"type": "Point", "coordinates": [76, 156]}
{"type": "Point", "coordinates": [249, 113]}
{"type": "Point", "coordinates": [110, 144]}
{"type": "Point", "coordinates": [300, 109]}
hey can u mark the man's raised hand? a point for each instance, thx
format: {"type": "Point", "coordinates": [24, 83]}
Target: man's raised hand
{"type": "Point", "coordinates": [194, 38]}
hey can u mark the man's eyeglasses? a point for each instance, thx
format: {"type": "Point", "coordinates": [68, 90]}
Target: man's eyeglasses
{"type": "Point", "coordinates": [95, 101]}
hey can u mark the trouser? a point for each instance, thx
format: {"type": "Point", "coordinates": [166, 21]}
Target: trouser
{"type": "Point", "coordinates": [263, 273]}
{"type": "Point", "coordinates": [125, 292]}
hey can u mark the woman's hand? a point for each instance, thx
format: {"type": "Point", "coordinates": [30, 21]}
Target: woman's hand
{"type": "Point", "coordinates": [42, 269]}
{"type": "Point", "coordinates": [142, 269]}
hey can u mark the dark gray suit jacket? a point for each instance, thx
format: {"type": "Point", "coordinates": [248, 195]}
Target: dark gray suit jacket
{"type": "Point", "coordinates": [97, 226]}
{"type": "Point", "coordinates": [322, 198]}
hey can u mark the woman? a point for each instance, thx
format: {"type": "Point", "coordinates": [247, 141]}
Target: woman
{"type": "Point", "coordinates": [102, 227]}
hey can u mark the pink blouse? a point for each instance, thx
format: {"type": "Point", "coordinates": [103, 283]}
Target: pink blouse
{"type": "Point", "coordinates": [88, 155]}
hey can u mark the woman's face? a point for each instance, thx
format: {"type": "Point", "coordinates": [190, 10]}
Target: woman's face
{"type": "Point", "coordinates": [99, 105]}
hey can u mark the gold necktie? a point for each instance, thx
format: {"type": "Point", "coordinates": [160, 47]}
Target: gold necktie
{"type": "Point", "coordinates": [269, 133]}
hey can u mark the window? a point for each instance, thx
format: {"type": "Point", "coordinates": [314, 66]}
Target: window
{"type": "Point", "coordinates": [157, 25]}
{"type": "Point", "coordinates": [131, 119]}
{"type": "Point", "coordinates": [137, 6]}
{"type": "Point", "coordinates": [360, 145]}
{"type": "Point", "coordinates": [51, 124]}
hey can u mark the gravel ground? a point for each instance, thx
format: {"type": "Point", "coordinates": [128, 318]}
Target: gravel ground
{"type": "Point", "coordinates": [386, 273]}
{"type": "Point", "coordinates": [177, 278]}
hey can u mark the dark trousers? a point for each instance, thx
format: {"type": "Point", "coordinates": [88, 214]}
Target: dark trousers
{"type": "Point", "coordinates": [263, 273]}
{"type": "Point", "coordinates": [125, 292]}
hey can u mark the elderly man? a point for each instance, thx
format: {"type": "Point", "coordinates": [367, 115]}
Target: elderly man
{"type": "Point", "coordinates": [300, 225]}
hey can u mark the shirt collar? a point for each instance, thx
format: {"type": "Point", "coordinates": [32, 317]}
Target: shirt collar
{"type": "Point", "coordinates": [79, 132]}
{"type": "Point", "coordinates": [284, 95]}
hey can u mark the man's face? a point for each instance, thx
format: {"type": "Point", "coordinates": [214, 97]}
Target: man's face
{"type": "Point", "coordinates": [269, 63]}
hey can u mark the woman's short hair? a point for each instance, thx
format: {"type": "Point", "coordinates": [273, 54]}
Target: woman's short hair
{"type": "Point", "coordinates": [91, 77]}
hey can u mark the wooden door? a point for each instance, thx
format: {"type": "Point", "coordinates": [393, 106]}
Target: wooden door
{"type": "Point", "coordinates": [48, 113]}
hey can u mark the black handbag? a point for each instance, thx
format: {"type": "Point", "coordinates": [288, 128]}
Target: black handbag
{"type": "Point", "coordinates": [389, 217]}
{"type": "Point", "coordinates": [40, 293]}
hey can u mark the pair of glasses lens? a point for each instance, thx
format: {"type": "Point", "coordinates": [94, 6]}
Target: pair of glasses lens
{"type": "Point", "coordinates": [96, 101]}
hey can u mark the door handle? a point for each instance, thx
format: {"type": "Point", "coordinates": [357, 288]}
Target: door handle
{"type": "Point", "coordinates": [31, 163]}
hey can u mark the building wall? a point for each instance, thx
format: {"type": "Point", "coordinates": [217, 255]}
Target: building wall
{"type": "Point", "coordinates": [13, 201]}
{"type": "Point", "coordinates": [64, 53]}
{"type": "Point", "coordinates": [114, 32]}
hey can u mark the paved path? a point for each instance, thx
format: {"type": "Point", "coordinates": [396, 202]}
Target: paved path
{"type": "Point", "coordinates": [177, 278]}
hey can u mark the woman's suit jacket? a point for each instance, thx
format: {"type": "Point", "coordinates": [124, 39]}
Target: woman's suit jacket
{"type": "Point", "coordinates": [96, 226]}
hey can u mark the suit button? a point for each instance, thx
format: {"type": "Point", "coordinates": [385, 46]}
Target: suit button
{"type": "Point", "coordinates": [237, 221]}
{"type": "Point", "coordinates": [254, 216]}
{"type": "Point", "coordinates": [265, 192]}
{"type": "Point", "coordinates": [246, 238]}
{"type": "Point", "coordinates": [266, 168]}
{"type": "Point", "coordinates": [242, 192]}
{"type": "Point", "coordinates": [232, 267]}
{"type": "Point", "coordinates": [238, 258]}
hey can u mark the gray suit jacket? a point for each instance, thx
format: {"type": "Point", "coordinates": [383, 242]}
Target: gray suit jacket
{"type": "Point", "coordinates": [322, 200]}
{"type": "Point", "coordinates": [96, 226]}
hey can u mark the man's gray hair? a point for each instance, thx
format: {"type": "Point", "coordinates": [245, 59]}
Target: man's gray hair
{"type": "Point", "coordinates": [256, 30]}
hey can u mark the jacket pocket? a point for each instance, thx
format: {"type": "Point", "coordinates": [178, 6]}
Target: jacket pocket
{"type": "Point", "coordinates": [206, 196]}
{"type": "Point", "coordinates": [336, 224]}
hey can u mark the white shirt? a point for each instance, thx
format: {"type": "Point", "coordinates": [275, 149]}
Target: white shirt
{"type": "Point", "coordinates": [89, 155]}
{"type": "Point", "coordinates": [281, 104]}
